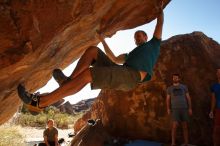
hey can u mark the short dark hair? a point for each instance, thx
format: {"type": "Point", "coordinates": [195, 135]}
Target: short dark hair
{"type": "Point", "coordinates": [141, 31]}
{"type": "Point", "coordinates": [176, 74]}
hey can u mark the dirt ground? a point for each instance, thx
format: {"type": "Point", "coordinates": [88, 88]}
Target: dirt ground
{"type": "Point", "coordinates": [35, 135]}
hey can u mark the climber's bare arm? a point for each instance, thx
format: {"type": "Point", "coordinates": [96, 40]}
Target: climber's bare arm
{"type": "Point", "coordinates": [159, 25]}
{"type": "Point", "coordinates": [117, 59]}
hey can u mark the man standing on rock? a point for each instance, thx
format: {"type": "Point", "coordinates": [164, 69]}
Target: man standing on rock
{"type": "Point", "coordinates": [103, 70]}
{"type": "Point", "coordinates": [215, 108]}
{"type": "Point", "coordinates": [179, 106]}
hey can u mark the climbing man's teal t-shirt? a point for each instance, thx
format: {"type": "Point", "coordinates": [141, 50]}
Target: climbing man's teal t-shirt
{"type": "Point", "coordinates": [144, 57]}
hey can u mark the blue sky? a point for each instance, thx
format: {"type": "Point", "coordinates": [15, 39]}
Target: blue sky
{"type": "Point", "coordinates": [185, 16]}
{"type": "Point", "coordinates": [180, 17]}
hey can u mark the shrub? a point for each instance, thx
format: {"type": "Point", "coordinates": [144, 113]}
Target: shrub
{"type": "Point", "coordinates": [10, 136]}
{"type": "Point", "coordinates": [62, 120]}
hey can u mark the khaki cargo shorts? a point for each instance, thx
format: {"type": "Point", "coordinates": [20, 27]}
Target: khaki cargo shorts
{"type": "Point", "coordinates": [108, 75]}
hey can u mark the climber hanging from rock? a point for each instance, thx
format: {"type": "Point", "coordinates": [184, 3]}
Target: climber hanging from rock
{"type": "Point", "coordinates": [103, 70]}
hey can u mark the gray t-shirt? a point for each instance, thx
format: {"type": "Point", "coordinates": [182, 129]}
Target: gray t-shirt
{"type": "Point", "coordinates": [51, 133]}
{"type": "Point", "coordinates": [178, 96]}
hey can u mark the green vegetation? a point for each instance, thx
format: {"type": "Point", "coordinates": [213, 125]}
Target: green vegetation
{"type": "Point", "coordinates": [11, 136]}
{"type": "Point", "coordinates": [62, 120]}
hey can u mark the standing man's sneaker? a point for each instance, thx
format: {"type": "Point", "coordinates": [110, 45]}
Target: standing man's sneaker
{"type": "Point", "coordinates": [31, 101]}
{"type": "Point", "coordinates": [59, 77]}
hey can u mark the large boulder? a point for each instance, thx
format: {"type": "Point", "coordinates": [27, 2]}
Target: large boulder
{"type": "Point", "coordinates": [39, 36]}
{"type": "Point", "coordinates": [92, 134]}
{"type": "Point", "coordinates": [141, 113]}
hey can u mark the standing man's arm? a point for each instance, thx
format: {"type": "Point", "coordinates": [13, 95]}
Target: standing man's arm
{"type": "Point", "coordinates": [117, 59]}
{"type": "Point", "coordinates": [159, 25]}
{"type": "Point", "coordinates": [213, 103]}
{"type": "Point", "coordinates": [189, 103]}
{"type": "Point", "coordinates": [168, 104]}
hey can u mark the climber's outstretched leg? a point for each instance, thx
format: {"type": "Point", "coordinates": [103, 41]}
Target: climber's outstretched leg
{"type": "Point", "coordinates": [85, 60]}
{"type": "Point", "coordinates": [89, 56]}
{"type": "Point", "coordinates": [71, 87]}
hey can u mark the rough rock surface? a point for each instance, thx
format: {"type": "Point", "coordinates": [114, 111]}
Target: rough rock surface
{"type": "Point", "coordinates": [67, 107]}
{"type": "Point", "coordinates": [141, 113]}
{"type": "Point", "coordinates": [38, 36]}
{"type": "Point", "coordinates": [83, 105]}
{"type": "Point", "coordinates": [91, 135]}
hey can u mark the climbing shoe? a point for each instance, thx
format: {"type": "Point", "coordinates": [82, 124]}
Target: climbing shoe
{"type": "Point", "coordinates": [31, 101]}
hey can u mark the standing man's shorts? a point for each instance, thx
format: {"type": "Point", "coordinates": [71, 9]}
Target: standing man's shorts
{"type": "Point", "coordinates": [180, 115]}
{"type": "Point", "coordinates": [108, 75]}
{"type": "Point", "coordinates": [216, 133]}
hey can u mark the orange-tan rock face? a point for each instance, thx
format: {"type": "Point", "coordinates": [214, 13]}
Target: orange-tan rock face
{"type": "Point", "coordinates": [141, 113]}
{"type": "Point", "coordinates": [38, 36]}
